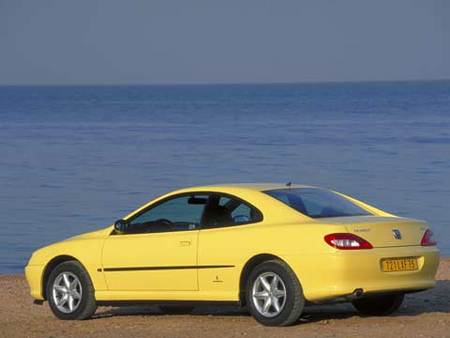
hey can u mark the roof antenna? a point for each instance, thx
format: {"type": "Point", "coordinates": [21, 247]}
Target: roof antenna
{"type": "Point", "coordinates": [289, 184]}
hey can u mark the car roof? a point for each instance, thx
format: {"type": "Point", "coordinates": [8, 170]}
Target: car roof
{"type": "Point", "coordinates": [272, 209]}
{"type": "Point", "coordinates": [249, 186]}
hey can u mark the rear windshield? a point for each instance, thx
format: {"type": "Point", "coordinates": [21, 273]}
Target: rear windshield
{"type": "Point", "coordinates": [317, 203]}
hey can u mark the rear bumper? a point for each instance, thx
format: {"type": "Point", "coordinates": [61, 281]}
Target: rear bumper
{"type": "Point", "coordinates": [342, 272]}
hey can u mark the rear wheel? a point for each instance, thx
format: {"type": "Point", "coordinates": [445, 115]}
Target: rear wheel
{"type": "Point", "coordinates": [378, 305]}
{"type": "Point", "coordinates": [70, 293]}
{"type": "Point", "coordinates": [274, 295]}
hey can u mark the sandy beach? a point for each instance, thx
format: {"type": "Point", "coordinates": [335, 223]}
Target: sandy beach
{"type": "Point", "coordinates": [425, 314]}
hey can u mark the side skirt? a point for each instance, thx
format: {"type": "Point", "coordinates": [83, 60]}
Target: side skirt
{"type": "Point", "coordinates": [167, 302]}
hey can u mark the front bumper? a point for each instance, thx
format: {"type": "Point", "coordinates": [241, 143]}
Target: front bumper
{"type": "Point", "coordinates": [33, 275]}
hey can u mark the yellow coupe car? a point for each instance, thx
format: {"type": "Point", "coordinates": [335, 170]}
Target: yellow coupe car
{"type": "Point", "coordinates": [270, 247]}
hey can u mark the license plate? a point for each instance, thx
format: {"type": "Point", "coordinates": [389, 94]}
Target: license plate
{"type": "Point", "coordinates": [399, 264]}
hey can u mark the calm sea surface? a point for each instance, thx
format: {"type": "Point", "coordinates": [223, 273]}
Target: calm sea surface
{"type": "Point", "coordinates": [74, 159]}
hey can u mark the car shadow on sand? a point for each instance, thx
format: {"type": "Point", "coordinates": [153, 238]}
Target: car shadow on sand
{"type": "Point", "coordinates": [435, 300]}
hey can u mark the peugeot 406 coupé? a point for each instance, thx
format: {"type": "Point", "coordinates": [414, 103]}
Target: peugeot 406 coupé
{"type": "Point", "coordinates": [270, 247]}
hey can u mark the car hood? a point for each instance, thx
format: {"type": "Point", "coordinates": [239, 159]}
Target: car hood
{"type": "Point", "coordinates": [90, 235]}
{"type": "Point", "coordinates": [43, 255]}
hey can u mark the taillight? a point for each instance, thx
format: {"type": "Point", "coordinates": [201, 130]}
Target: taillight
{"type": "Point", "coordinates": [346, 241]}
{"type": "Point", "coordinates": [428, 238]}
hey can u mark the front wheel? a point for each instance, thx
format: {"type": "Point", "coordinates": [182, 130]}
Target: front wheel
{"type": "Point", "coordinates": [70, 293]}
{"type": "Point", "coordinates": [378, 305]}
{"type": "Point", "coordinates": [274, 294]}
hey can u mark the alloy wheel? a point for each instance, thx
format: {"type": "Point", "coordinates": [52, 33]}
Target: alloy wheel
{"type": "Point", "coordinates": [67, 292]}
{"type": "Point", "coordinates": [269, 294]}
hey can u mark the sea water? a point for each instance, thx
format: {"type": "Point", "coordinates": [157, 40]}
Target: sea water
{"type": "Point", "coordinates": [76, 158]}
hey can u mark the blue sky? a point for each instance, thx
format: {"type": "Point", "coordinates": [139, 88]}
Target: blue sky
{"type": "Point", "coordinates": [190, 41]}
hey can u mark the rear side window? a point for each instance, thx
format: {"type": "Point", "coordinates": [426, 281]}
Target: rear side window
{"type": "Point", "coordinates": [224, 211]}
{"type": "Point", "coordinates": [317, 203]}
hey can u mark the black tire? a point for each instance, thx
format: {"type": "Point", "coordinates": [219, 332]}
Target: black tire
{"type": "Point", "coordinates": [383, 305]}
{"type": "Point", "coordinates": [176, 309]}
{"type": "Point", "coordinates": [294, 301]}
{"type": "Point", "coordinates": [86, 305]}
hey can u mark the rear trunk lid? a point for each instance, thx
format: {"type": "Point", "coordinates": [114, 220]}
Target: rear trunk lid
{"type": "Point", "coordinates": [383, 232]}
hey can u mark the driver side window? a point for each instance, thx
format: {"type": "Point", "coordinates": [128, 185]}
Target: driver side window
{"type": "Point", "coordinates": [177, 214]}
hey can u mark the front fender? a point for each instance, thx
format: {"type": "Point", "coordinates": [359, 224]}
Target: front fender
{"type": "Point", "coordinates": [86, 250]}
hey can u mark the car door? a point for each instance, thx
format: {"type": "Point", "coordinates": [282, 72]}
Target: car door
{"type": "Point", "coordinates": [158, 251]}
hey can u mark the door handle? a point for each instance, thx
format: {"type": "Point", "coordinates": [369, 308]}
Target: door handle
{"type": "Point", "coordinates": [185, 243]}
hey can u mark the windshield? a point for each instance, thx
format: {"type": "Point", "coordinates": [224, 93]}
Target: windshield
{"type": "Point", "coordinates": [317, 203]}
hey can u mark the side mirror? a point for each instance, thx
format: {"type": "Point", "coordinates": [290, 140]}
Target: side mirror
{"type": "Point", "coordinates": [121, 225]}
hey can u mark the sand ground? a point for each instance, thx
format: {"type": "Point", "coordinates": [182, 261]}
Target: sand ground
{"type": "Point", "coordinates": [425, 314]}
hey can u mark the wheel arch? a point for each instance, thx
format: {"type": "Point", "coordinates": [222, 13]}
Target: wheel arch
{"type": "Point", "coordinates": [247, 269]}
{"type": "Point", "coordinates": [53, 263]}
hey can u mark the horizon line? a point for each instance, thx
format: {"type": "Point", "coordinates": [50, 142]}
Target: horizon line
{"type": "Point", "coordinates": [174, 84]}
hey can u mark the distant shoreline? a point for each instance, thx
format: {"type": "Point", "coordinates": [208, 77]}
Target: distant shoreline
{"type": "Point", "coordinates": [205, 84]}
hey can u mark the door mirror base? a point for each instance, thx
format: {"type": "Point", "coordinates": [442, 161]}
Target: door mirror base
{"type": "Point", "coordinates": [121, 225]}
